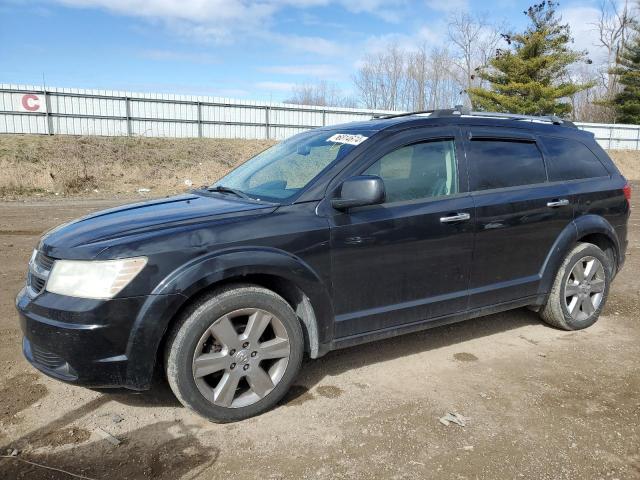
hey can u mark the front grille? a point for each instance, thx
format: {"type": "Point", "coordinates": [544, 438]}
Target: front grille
{"type": "Point", "coordinates": [36, 283]}
{"type": "Point", "coordinates": [39, 268]}
{"type": "Point", "coordinates": [43, 261]}
{"type": "Point", "coordinates": [46, 359]}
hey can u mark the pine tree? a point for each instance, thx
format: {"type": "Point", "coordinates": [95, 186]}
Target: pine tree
{"type": "Point", "coordinates": [627, 102]}
{"type": "Point", "coordinates": [531, 76]}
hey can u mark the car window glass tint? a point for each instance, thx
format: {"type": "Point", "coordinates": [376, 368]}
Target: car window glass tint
{"type": "Point", "coordinates": [571, 160]}
{"type": "Point", "coordinates": [504, 163]}
{"type": "Point", "coordinates": [422, 170]}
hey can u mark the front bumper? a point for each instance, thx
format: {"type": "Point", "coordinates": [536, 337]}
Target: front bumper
{"type": "Point", "coordinates": [81, 341]}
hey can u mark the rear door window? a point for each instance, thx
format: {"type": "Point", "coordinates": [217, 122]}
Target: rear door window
{"type": "Point", "coordinates": [502, 163]}
{"type": "Point", "coordinates": [571, 160]}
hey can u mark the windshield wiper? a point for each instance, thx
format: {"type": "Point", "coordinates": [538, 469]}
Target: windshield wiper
{"type": "Point", "coordinates": [236, 192]}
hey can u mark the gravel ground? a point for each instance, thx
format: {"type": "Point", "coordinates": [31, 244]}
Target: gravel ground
{"type": "Point", "coordinates": [539, 402]}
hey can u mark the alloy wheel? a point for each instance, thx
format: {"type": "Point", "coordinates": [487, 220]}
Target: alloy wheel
{"type": "Point", "coordinates": [241, 358]}
{"type": "Point", "coordinates": [584, 289]}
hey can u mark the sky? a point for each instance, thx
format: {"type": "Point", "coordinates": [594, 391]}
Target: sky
{"type": "Point", "coordinates": [230, 48]}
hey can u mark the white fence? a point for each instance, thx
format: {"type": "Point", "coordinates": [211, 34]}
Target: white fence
{"type": "Point", "coordinates": [31, 109]}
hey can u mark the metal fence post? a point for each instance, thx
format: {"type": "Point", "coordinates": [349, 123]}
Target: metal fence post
{"type": "Point", "coordinates": [199, 119]}
{"type": "Point", "coordinates": [610, 136]}
{"type": "Point", "coordinates": [49, 118]}
{"type": "Point", "coordinates": [638, 139]}
{"type": "Point", "coordinates": [266, 122]}
{"type": "Point", "coordinates": [324, 118]}
{"type": "Point", "coordinates": [127, 103]}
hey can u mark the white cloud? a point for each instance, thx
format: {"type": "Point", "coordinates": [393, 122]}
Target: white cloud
{"type": "Point", "coordinates": [276, 86]}
{"type": "Point", "coordinates": [582, 20]}
{"type": "Point", "coordinates": [217, 20]}
{"type": "Point", "coordinates": [448, 5]}
{"type": "Point", "coordinates": [179, 56]}
{"type": "Point", "coordinates": [317, 71]}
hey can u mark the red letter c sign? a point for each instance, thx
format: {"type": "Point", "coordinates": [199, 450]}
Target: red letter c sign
{"type": "Point", "coordinates": [30, 102]}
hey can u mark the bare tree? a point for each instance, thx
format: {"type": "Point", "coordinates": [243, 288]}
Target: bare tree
{"type": "Point", "coordinates": [613, 26]}
{"type": "Point", "coordinates": [443, 86]}
{"type": "Point", "coordinates": [474, 40]}
{"type": "Point", "coordinates": [322, 94]}
{"type": "Point", "coordinates": [417, 71]}
{"type": "Point", "coordinates": [403, 79]}
{"type": "Point", "coordinates": [381, 80]}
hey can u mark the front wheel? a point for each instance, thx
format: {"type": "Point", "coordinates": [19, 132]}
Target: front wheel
{"type": "Point", "coordinates": [580, 289]}
{"type": "Point", "coordinates": [234, 353]}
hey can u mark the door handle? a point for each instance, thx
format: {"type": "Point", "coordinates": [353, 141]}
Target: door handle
{"type": "Point", "coordinates": [563, 202]}
{"type": "Point", "coordinates": [458, 217]}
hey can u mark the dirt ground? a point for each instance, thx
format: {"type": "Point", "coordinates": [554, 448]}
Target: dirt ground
{"type": "Point", "coordinates": [540, 403]}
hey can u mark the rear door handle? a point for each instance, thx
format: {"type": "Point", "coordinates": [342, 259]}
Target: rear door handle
{"type": "Point", "coordinates": [458, 217]}
{"type": "Point", "coordinates": [563, 202]}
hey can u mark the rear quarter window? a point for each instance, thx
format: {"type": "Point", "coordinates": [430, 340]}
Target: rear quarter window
{"type": "Point", "coordinates": [497, 163]}
{"type": "Point", "coordinates": [571, 160]}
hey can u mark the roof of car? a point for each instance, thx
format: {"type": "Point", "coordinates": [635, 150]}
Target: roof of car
{"type": "Point", "coordinates": [539, 124]}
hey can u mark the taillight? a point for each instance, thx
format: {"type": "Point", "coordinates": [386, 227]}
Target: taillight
{"type": "Point", "coordinates": [627, 193]}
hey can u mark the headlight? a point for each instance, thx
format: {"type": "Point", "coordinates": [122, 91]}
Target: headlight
{"type": "Point", "coordinates": [93, 279]}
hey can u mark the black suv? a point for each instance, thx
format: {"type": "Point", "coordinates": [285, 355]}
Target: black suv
{"type": "Point", "coordinates": [334, 237]}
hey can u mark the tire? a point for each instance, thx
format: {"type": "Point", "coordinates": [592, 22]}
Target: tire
{"type": "Point", "coordinates": [206, 365]}
{"type": "Point", "coordinates": [569, 311]}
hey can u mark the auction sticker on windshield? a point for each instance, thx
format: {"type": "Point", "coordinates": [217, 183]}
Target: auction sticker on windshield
{"type": "Point", "coordinates": [347, 138]}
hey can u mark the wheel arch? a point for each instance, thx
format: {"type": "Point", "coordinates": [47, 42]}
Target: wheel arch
{"type": "Point", "coordinates": [283, 273]}
{"type": "Point", "coordinates": [587, 228]}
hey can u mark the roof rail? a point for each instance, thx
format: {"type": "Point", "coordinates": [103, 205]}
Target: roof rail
{"type": "Point", "coordinates": [460, 111]}
{"type": "Point", "coordinates": [449, 112]}
{"type": "Point", "coordinates": [530, 118]}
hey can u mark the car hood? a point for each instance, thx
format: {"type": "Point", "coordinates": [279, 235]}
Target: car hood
{"type": "Point", "coordinates": [76, 238]}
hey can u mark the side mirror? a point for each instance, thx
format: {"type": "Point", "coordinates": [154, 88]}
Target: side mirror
{"type": "Point", "coordinates": [359, 192]}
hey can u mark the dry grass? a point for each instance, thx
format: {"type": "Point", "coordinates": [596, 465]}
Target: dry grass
{"type": "Point", "coordinates": [35, 165]}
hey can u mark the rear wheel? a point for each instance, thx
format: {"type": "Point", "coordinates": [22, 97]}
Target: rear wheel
{"type": "Point", "coordinates": [580, 289]}
{"type": "Point", "coordinates": [234, 353]}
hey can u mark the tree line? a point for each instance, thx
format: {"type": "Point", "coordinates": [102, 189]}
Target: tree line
{"type": "Point", "coordinates": [488, 67]}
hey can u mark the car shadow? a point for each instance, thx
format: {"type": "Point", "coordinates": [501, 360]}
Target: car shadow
{"type": "Point", "coordinates": [339, 361]}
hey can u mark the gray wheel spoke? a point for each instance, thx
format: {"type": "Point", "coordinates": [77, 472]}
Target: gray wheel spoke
{"type": "Point", "coordinates": [587, 305]}
{"type": "Point", "coordinates": [225, 333]}
{"type": "Point", "coordinates": [256, 326]}
{"type": "Point", "coordinates": [591, 269]}
{"type": "Point", "coordinates": [571, 290]}
{"type": "Point", "coordinates": [578, 271]}
{"type": "Point", "coordinates": [275, 348]}
{"type": "Point", "coordinates": [597, 286]}
{"type": "Point", "coordinates": [225, 391]}
{"type": "Point", "coordinates": [259, 381]}
{"type": "Point", "coordinates": [573, 305]}
{"type": "Point", "coordinates": [209, 363]}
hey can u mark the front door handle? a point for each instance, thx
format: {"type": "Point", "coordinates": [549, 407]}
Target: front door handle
{"type": "Point", "coordinates": [563, 202]}
{"type": "Point", "coordinates": [458, 217]}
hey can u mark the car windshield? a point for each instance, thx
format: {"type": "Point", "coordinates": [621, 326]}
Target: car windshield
{"type": "Point", "coordinates": [281, 171]}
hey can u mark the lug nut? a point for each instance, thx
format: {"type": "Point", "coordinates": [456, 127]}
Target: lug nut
{"type": "Point", "coordinates": [245, 344]}
{"type": "Point", "coordinates": [246, 367]}
{"type": "Point", "coordinates": [253, 354]}
{"type": "Point", "coordinates": [232, 352]}
{"type": "Point", "coordinates": [232, 366]}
